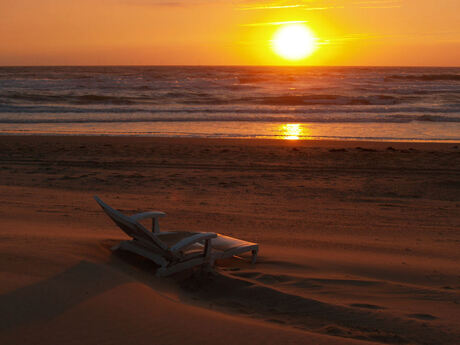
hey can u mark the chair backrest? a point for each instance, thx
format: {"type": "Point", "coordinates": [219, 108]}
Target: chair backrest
{"type": "Point", "coordinates": [133, 228]}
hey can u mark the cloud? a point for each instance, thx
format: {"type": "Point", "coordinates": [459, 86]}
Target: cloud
{"type": "Point", "coordinates": [267, 7]}
{"type": "Point", "coordinates": [276, 23]}
{"type": "Point", "coordinates": [317, 5]}
{"type": "Point", "coordinates": [251, 5]}
{"type": "Point", "coordinates": [376, 2]}
{"type": "Point", "coordinates": [159, 3]}
{"type": "Point", "coordinates": [379, 4]}
{"type": "Point", "coordinates": [261, 5]}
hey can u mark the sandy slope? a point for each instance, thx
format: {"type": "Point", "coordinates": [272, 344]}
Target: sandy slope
{"type": "Point", "coordinates": [359, 241]}
{"type": "Point", "coordinates": [93, 304]}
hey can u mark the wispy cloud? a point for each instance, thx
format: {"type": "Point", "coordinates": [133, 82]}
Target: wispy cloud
{"type": "Point", "coordinates": [376, 2]}
{"type": "Point", "coordinates": [383, 7]}
{"type": "Point", "coordinates": [170, 4]}
{"type": "Point", "coordinates": [255, 5]}
{"type": "Point", "coordinates": [156, 3]}
{"type": "Point", "coordinates": [275, 23]}
{"type": "Point", "coordinates": [267, 7]}
{"type": "Point", "coordinates": [321, 5]}
{"type": "Point", "coordinates": [322, 8]}
{"type": "Point", "coordinates": [401, 37]}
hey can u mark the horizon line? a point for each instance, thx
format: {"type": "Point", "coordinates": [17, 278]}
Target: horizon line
{"type": "Point", "coordinates": [204, 65]}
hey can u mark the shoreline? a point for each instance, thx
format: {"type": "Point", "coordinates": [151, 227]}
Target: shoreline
{"type": "Point", "coordinates": [282, 131]}
{"type": "Point", "coordinates": [245, 141]}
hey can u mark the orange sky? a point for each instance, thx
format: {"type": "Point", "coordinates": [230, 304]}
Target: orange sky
{"type": "Point", "coordinates": [218, 32]}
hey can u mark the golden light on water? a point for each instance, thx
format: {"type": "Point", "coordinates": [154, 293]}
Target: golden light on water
{"type": "Point", "coordinates": [294, 42]}
{"type": "Point", "coordinates": [292, 131]}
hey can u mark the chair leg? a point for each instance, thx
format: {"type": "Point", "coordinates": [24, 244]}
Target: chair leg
{"type": "Point", "coordinates": [254, 256]}
{"type": "Point", "coordinates": [206, 268]}
{"type": "Point", "coordinates": [116, 247]}
{"type": "Point", "coordinates": [161, 272]}
{"type": "Point", "coordinates": [209, 260]}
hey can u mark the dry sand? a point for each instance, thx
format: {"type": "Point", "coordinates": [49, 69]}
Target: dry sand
{"type": "Point", "coordinates": [359, 241]}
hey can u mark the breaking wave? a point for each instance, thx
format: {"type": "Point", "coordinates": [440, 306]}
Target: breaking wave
{"type": "Point", "coordinates": [425, 77]}
{"type": "Point", "coordinates": [227, 117]}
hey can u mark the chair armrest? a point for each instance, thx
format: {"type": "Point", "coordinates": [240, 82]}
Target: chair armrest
{"type": "Point", "coordinates": [150, 214]}
{"type": "Point", "coordinates": [182, 244]}
{"type": "Point", "coordinates": [155, 215]}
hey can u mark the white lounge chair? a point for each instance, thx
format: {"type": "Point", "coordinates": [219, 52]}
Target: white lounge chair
{"type": "Point", "coordinates": [178, 250]}
{"type": "Point", "coordinates": [170, 250]}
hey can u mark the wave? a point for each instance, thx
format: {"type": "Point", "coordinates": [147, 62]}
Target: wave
{"type": "Point", "coordinates": [85, 95]}
{"type": "Point", "coordinates": [318, 99]}
{"type": "Point", "coordinates": [203, 98]}
{"type": "Point", "coordinates": [71, 99]}
{"type": "Point", "coordinates": [331, 109]}
{"type": "Point", "coordinates": [425, 77]}
{"type": "Point", "coordinates": [237, 118]}
{"type": "Point", "coordinates": [252, 79]}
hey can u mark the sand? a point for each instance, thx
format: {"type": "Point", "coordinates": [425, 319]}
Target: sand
{"type": "Point", "coordinates": [359, 241]}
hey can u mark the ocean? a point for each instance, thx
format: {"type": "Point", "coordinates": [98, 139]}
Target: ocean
{"type": "Point", "coordinates": [343, 103]}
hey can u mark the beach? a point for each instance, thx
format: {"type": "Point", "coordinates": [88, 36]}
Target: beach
{"type": "Point", "coordinates": [359, 241]}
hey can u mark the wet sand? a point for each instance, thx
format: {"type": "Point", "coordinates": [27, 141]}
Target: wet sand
{"type": "Point", "coordinates": [359, 241]}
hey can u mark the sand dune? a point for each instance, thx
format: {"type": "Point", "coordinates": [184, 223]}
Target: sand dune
{"type": "Point", "coordinates": [359, 243]}
{"type": "Point", "coordinates": [94, 304]}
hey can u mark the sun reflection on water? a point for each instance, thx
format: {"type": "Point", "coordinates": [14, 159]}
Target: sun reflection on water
{"type": "Point", "coordinates": [293, 131]}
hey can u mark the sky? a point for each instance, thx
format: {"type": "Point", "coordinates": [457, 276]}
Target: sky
{"type": "Point", "coordinates": [218, 32]}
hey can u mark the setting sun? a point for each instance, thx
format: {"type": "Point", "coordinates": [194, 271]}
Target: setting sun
{"type": "Point", "coordinates": [294, 42]}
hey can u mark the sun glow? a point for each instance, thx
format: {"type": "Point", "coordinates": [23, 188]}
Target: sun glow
{"type": "Point", "coordinates": [292, 131]}
{"type": "Point", "coordinates": [294, 42]}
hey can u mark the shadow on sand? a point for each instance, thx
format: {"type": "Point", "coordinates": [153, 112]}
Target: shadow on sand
{"type": "Point", "coordinates": [49, 298]}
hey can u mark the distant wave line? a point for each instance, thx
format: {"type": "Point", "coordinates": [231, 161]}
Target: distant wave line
{"type": "Point", "coordinates": [277, 119]}
{"type": "Point", "coordinates": [12, 98]}
{"type": "Point", "coordinates": [424, 77]}
{"type": "Point", "coordinates": [347, 110]}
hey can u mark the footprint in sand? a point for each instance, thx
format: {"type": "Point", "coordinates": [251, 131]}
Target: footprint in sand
{"type": "Point", "coordinates": [277, 321]}
{"type": "Point", "coordinates": [231, 269]}
{"type": "Point", "coordinates": [367, 306]}
{"type": "Point", "coordinates": [422, 316]}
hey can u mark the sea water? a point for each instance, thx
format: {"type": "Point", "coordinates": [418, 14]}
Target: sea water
{"type": "Point", "coordinates": [344, 103]}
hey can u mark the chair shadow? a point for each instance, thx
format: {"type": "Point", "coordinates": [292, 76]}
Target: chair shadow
{"type": "Point", "coordinates": [49, 298]}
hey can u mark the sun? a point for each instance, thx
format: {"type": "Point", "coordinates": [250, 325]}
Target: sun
{"type": "Point", "coordinates": [294, 42]}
